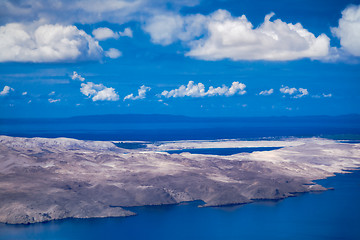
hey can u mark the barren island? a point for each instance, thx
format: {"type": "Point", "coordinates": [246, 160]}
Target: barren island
{"type": "Point", "coordinates": [43, 179]}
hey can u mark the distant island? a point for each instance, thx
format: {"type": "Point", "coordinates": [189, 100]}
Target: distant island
{"type": "Point", "coordinates": [43, 179]}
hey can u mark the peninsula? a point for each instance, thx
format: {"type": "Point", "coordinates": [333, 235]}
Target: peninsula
{"type": "Point", "coordinates": [43, 179]}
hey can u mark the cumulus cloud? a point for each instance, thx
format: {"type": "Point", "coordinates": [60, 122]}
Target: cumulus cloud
{"type": "Point", "coordinates": [209, 37]}
{"type": "Point", "coordinates": [267, 92]}
{"type": "Point", "coordinates": [46, 43]}
{"type": "Point", "coordinates": [224, 36]}
{"type": "Point", "coordinates": [294, 92]}
{"type": "Point", "coordinates": [141, 93]}
{"type": "Point", "coordinates": [84, 11]}
{"type": "Point", "coordinates": [198, 90]}
{"type": "Point", "coordinates": [113, 53]}
{"type": "Point", "coordinates": [287, 90]}
{"type": "Point", "coordinates": [53, 100]}
{"type": "Point", "coordinates": [168, 28]}
{"type": "Point", "coordinates": [24, 93]}
{"type": "Point", "coordinates": [104, 33]}
{"type": "Point", "coordinates": [327, 95]}
{"type": "Point", "coordinates": [126, 33]}
{"type": "Point", "coordinates": [6, 90]}
{"type": "Point", "coordinates": [235, 38]}
{"type": "Point", "coordinates": [302, 92]}
{"type": "Point", "coordinates": [322, 95]}
{"type": "Point", "coordinates": [71, 11]}
{"type": "Point", "coordinates": [76, 76]}
{"type": "Point", "coordinates": [98, 92]}
{"type": "Point", "coordinates": [348, 30]}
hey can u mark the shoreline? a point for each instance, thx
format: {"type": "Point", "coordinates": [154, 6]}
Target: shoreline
{"type": "Point", "coordinates": [135, 214]}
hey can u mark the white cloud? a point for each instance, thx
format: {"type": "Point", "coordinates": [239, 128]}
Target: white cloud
{"type": "Point", "coordinates": [104, 33]}
{"type": "Point", "coordinates": [287, 90]}
{"type": "Point", "coordinates": [24, 93]}
{"type": "Point", "coordinates": [77, 76]}
{"type": "Point", "coordinates": [166, 29]}
{"type": "Point", "coordinates": [224, 36]}
{"type": "Point", "coordinates": [267, 92]}
{"type": "Point", "coordinates": [71, 11]}
{"type": "Point", "coordinates": [52, 93]}
{"type": "Point", "coordinates": [198, 90]}
{"type": "Point", "coordinates": [300, 92]}
{"type": "Point", "coordinates": [46, 43]}
{"type": "Point", "coordinates": [53, 100]}
{"type": "Point", "coordinates": [236, 38]}
{"type": "Point", "coordinates": [126, 33]}
{"type": "Point", "coordinates": [141, 93]}
{"type": "Point", "coordinates": [84, 11]}
{"type": "Point", "coordinates": [348, 30]}
{"type": "Point", "coordinates": [98, 92]}
{"type": "Point", "coordinates": [322, 95]}
{"type": "Point", "coordinates": [113, 53]}
{"type": "Point", "coordinates": [6, 90]}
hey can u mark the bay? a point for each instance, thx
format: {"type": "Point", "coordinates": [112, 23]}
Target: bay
{"type": "Point", "coordinates": [223, 151]}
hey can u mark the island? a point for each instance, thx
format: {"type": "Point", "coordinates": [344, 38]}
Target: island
{"type": "Point", "coordinates": [43, 179]}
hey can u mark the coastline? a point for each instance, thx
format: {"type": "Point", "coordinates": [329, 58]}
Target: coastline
{"type": "Point", "coordinates": [278, 219]}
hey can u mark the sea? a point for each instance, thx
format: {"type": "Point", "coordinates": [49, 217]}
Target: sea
{"type": "Point", "coordinates": [333, 214]}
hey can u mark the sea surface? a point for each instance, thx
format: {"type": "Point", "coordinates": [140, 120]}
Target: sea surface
{"type": "Point", "coordinates": [333, 214]}
{"type": "Point", "coordinates": [168, 127]}
{"type": "Point", "coordinates": [223, 151]}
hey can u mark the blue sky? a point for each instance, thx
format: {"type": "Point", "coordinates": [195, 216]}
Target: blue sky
{"type": "Point", "coordinates": [205, 58]}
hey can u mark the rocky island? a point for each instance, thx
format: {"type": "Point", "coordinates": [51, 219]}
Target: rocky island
{"type": "Point", "coordinates": [43, 179]}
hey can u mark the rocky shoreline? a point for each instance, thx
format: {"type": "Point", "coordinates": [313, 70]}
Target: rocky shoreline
{"type": "Point", "coordinates": [46, 179]}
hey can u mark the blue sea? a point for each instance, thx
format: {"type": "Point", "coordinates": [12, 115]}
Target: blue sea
{"type": "Point", "coordinates": [168, 127]}
{"type": "Point", "coordinates": [223, 151]}
{"type": "Point", "coordinates": [333, 214]}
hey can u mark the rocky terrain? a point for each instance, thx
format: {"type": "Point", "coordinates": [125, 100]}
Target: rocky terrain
{"type": "Point", "coordinates": [45, 179]}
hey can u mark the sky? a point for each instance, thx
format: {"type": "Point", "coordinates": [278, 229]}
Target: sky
{"type": "Point", "coordinates": [195, 58]}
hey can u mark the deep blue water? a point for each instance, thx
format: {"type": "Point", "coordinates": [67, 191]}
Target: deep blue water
{"type": "Point", "coordinates": [168, 127]}
{"type": "Point", "coordinates": [334, 214]}
{"type": "Point", "coordinates": [223, 151]}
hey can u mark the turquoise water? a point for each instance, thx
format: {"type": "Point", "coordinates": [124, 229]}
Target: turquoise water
{"type": "Point", "coordinates": [334, 214]}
